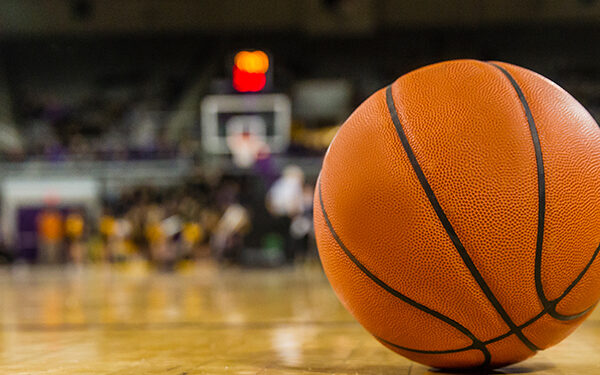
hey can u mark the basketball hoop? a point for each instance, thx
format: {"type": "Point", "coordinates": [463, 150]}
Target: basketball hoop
{"type": "Point", "coordinates": [245, 148]}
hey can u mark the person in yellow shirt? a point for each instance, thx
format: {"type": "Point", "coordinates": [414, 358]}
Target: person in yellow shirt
{"type": "Point", "coordinates": [155, 235]}
{"type": "Point", "coordinates": [192, 235]}
{"type": "Point", "coordinates": [74, 230]}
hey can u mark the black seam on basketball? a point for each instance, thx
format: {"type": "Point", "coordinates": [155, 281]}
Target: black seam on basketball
{"type": "Point", "coordinates": [541, 183]}
{"type": "Point", "coordinates": [477, 344]}
{"type": "Point", "coordinates": [485, 343]}
{"type": "Point", "coordinates": [487, 356]}
{"type": "Point", "coordinates": [448, 226]}
{"type": "Point", "coordinates": [449, 351]}
{"type": "Point", "coordinates": [490, 341]}
{"type": "Point", "coordinates": [554, 303]}
{"type": "Point", "coordinates": [558, 316]}
{"type": "Point", "coordinates": [549, 306]}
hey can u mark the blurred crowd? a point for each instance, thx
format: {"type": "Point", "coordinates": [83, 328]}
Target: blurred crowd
{"type": "Point", "coordinates": [112, 124]}
{"type": "Point", "coordinates": [128, 126]}
{"type": "Point", "coordinates": [223, 221]}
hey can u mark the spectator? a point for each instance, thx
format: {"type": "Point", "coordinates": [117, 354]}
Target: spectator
{"type": "Point", "coordinates": [228, 239]}
{"type": "Point", "coordinates": [74, 229]}
{"type": "Point", "coordinates": [285, 201]}
{"type": "Point", "coordinates": [50, 235]}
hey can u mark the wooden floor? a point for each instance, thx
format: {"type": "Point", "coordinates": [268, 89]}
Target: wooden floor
{"type": "Point", "coordinates": [204, 320]}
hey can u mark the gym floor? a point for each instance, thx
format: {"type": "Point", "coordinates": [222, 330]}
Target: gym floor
{"type": "Point", "coordinates": [206, 320]}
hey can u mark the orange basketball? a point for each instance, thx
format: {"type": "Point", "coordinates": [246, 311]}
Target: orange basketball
{"type": "Point", "coordinates": [457, 214]}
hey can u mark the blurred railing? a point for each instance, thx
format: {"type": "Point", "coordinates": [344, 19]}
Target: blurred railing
{"type": "Point", "coordinates": [161, 172]}
{"type": "Point", "coordinates": [151, 172]}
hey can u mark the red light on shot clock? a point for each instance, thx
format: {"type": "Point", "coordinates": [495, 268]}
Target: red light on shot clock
{"type": "Point", "coordinates": [249, 71]}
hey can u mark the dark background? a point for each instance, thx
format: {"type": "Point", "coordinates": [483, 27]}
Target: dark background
{"type": "Point", "coordinates": [111, 91]}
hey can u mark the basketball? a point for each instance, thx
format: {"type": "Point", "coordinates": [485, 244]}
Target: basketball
{"type": "Point", "coordinates": [457, 214]}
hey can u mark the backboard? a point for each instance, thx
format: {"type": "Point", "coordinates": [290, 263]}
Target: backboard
{"type": "Point", "coordinates": [267, 116]}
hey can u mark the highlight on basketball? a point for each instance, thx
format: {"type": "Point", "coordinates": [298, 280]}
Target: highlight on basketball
{"type": "Point", "coordinates": [299, 187]}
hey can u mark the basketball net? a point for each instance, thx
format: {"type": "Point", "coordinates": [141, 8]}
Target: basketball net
{"type": "Point", "coordinates": [245, 147]}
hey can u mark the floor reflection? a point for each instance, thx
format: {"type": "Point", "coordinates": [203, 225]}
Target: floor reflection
{"type": "Point", "coordinates": [205, 320]}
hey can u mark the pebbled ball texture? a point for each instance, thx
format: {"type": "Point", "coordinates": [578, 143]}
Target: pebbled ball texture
{"type": "Point", "coordinates": [464, 233]}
